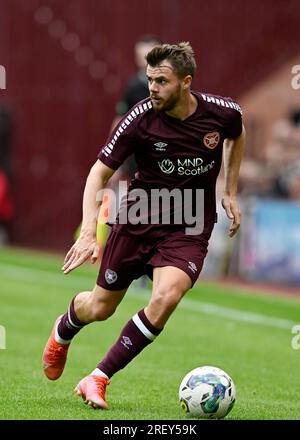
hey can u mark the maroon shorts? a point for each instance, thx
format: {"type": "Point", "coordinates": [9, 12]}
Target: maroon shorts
{"type": "Point", "coordinates": [128, 257]}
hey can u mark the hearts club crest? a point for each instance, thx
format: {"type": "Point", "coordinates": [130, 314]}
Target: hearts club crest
{"type": "Point", "coordinates": [211, 140]}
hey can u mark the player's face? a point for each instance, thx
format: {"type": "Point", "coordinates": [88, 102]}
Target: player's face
{"type": "Point", "coordinates": [165, 87]}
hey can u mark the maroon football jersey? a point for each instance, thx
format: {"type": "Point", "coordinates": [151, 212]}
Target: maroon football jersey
{"type": "Point", "coordinates": [174, 154]}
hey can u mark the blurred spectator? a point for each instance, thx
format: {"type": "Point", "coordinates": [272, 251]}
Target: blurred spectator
{"type": "Point", "coordinates": [290, 181]}
{"type": "Point", "coordinates": [256, 179]}
{"type": "Point", "coordinates": [135, 90]}
{"type": "Point", "coordinates": [6, 131]}
{"type": "Point", "coordinates": [283, 153]}
{"type": "Point", "coordinates": [277, 175]}
{"type": "Point", "coordinates": [137, 86]}
{"type": "Point", "coordinates": [6, 201]}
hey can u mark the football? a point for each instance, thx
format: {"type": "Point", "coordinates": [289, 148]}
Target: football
{"type": "Point", "coordinates": [207, 392]}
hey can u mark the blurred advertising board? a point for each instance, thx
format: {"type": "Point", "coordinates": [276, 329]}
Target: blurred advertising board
{"type": "Point", "coordinates": [270, 241]}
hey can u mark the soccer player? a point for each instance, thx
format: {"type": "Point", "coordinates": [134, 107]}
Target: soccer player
{"type": "Point", "coordinates": [177, 136]}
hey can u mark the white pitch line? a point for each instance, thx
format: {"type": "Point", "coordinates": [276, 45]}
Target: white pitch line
{"type": "Point", "coordinates": [24, 274]}
{"type": "Point", "coordinates": [237, 315]}
{"type": "Point", "coordinates": [224, 312]}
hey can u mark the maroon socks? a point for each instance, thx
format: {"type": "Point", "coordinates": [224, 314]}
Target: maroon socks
{"type": "Point", "coordinates": [134, 337]}
{"type": "Point", "coordinates": [69, 324]}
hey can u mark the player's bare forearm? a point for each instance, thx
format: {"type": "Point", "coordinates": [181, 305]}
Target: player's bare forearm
{"type": "Point", "coordinates": [233, 153]}
{"type": "Point", "coordinates": [96, 181]}
{"type": "Point", "coordinates": [86, 246]}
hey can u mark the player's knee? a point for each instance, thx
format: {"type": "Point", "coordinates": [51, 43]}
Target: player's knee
{"type": "Point", "coordinates": [103, 303]}
{"type": "Point", "coordinates": [102, 311]}
{"type": "Point", "coordinates": [165, 299]}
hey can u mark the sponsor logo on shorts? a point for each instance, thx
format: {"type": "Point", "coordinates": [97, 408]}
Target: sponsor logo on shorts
{"type": "Point", "coordinates": [211, 140]}
{"type": "Point", "coordinates": [110, 276]}
{"type": "Point", "coordinates": [192, 266]}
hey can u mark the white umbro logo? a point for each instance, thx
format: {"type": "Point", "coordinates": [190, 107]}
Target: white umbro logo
{"type": "Point", "coordinates": [160, 146]}
{"type": "Point", "coordinates": [192, 266]}
{"type": "Point", "coordinates": [126, 341]}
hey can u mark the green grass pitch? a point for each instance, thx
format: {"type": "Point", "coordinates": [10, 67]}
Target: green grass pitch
{"type": "Point", "coordinates": [248, 335]}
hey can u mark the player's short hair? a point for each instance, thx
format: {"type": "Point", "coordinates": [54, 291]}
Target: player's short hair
{"type": "Point", "coordinates": [181, 56]}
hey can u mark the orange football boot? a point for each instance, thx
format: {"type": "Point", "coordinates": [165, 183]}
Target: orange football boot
{"type": "Point", "coordinates": [92, 389]}
{"type": "Point", "coordinates": [54, 356]}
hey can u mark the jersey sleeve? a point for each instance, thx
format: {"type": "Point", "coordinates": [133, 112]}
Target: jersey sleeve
{"type": "Point", "coordinates": [234, 123]}
{"type": "Point", "coordinates": [120, 144]}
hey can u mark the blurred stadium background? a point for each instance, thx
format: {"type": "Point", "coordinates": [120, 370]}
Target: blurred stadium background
{"type": "Point", "coordinates": [66, 64]}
